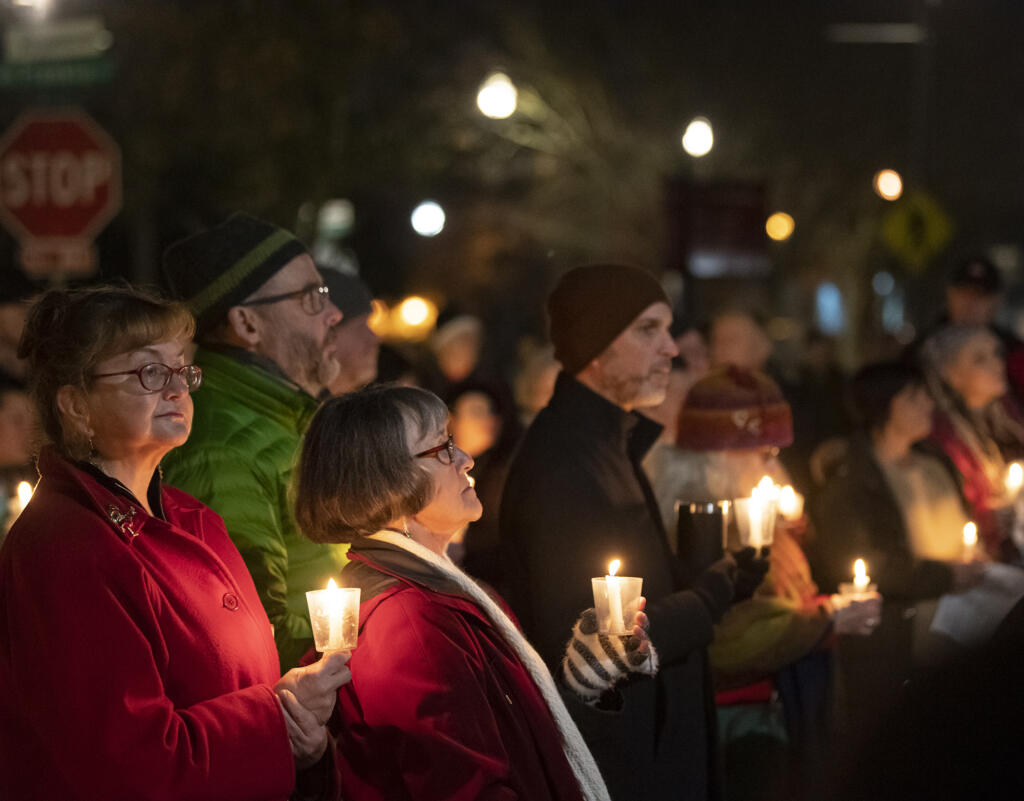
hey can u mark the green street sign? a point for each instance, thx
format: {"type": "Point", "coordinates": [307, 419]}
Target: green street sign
{"type": "Point", "coordinates": [76, 72]}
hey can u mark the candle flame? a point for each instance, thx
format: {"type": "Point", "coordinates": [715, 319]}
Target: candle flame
{"type": "Point", "coordinates": [970, 534]}
{"type": "Point", "coordinates": [24, 493]}
{"type": "Point", "coordinates": [860, 572]}
{"type": "Point", "coordinates": [332, 584]}
{"type": "Point", "coordinates": [765, 484]}
{"type": "Point", "coordinates": [1015, 477]}
{"type": "Point", "coordinates": [613, 567]}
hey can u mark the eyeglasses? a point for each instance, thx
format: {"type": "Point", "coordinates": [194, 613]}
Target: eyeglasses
{"type": "Point", "coordinates": [446, 448]}
{"type": "Point", "coordinates": [155, 376]}
{"type": "Point", "coordinates": [313, 297]}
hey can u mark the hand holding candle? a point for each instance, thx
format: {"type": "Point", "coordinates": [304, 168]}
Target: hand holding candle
{"type": "Point", "coordinates": [616, 600]}
{"type": "Point", "coordinates": [334, 616]}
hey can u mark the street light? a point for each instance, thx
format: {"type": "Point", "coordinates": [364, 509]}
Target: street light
{"type": "Point", "coordinates": [888, 184]}
{"type": "Point", "coordinates": [428, 219]}
{"type": "Point", "coordinates": [779, 226]}
{"type": "Point", "coordinates": [699, 138]}
{"type": "Point", "coordinates": [497, 97]}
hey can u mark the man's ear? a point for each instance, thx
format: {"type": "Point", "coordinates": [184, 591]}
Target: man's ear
{"type": "Point", "coordinates": [74, 411]}
{"type": "Point", "coordinates": [244, 327]}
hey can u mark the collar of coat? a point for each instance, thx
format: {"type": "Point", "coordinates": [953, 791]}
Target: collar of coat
{"type": "Point", "coordinates": [582, 409]}
{"type": "Point", "coordinates": [376, 566]}
{"type": "Point", "coordinates": [257, 383]}
{"type": "Point", "coordinates": [112, 501]}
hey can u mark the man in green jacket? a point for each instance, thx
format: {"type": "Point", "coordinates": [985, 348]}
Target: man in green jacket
{"type": "Point", "coordinates": [263, 318]}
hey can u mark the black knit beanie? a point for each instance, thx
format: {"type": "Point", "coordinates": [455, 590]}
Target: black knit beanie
{"type": "Point", "coordinates": [592, 305]}
{"type": "Point", "coordinates": [219, 268]}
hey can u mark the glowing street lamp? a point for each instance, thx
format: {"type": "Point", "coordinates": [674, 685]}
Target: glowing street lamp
{"type": "Point", "coordinates": [888, 184]}
{"type": "Point", "coordinates": [497, 97]}
{"type": "Point", "coordinates": [698, 138]}
{"type": "Point", "coordinates": [779, 226]}
{"type": "Point", "coordinates": [428, 219]}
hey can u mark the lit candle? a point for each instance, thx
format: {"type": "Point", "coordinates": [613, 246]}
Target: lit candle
{"type": "Point", "coordinates": [16, 505]}
{"type": "Point", "coordinates": [791, 503]}
{"type": "Point", "coordinates": [861, 579]}
{"type": "Point", "coordinates": [616, 621]}
{"type": "Point", "coordinates": [334, 617]}
{"type": "Point", "coordinates": [970, 541]}
{"type": "Point", "coordinates": [1014, 479]}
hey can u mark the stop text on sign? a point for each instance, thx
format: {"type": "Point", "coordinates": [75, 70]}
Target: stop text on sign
{"type": "Point", "coordinates": [61, 179]}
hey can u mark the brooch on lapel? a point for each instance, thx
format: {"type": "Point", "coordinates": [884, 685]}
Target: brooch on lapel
{"type": "Point", "coordinates": [122, 519]}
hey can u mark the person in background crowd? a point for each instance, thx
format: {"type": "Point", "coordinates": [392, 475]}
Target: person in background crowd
{"type": "Point", "coordinates": [18, 423]}
{"type": "Point", "coordinates": [136, 661]}
{"type": "Point", "coordinates": [736, 338]}
{"type": "Point", "coordinates": [893, 501]}
{"type": "Point", "coordinates": [577, 498]}
{"type": "Point", "coordinates": [355, 346]}
{"type": "Point", "coordinates": [264, 321]}
{"type": "Point", "coordinates": [535, 380]}
{"type": "Point", "coordinates": [966, 376]}
{"type": "Point", "coordinates": [448, 700]}
{"type": "Point", "coordinates": [16, 291]}
{"type": "Point", "coordinates": [487, 430]}
{"type": "Point", "coordinates": [455, 346]}
{"type": "Point", "coordinates": [974, 296]}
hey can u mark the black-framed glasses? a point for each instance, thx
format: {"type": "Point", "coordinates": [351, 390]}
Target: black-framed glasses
{"type": "Point", "coordinates": [445, 452]}
{"type": "Point", "coordinates": [313, 298]}
{"type": "Point", "coordinates": [155, 376]}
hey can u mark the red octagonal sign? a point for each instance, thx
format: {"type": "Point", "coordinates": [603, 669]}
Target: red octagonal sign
{"type": "Point", "coordinates": [60, 183]}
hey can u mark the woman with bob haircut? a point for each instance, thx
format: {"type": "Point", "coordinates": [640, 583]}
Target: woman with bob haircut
{"type": "Point", "coordinates": [448, 700]}
{"type": "Point", "coordinates": [136, 661]}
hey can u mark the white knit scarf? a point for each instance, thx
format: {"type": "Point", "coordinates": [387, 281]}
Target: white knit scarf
{"type": "Point", "coordinates": [583, 765]}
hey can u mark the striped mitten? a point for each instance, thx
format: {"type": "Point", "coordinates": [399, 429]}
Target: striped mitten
{"type": "Point", "coordinates": [594, 662]}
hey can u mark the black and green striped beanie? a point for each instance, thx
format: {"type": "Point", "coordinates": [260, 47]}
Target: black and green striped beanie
{"type": "Point", "coordinates": [219, 268]}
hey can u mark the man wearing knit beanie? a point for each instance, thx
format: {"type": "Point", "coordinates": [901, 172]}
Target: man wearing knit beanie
{"type": "Point", "coordinates": [263, 322]}
{"type": "Point", "coordinates": [577, 498]}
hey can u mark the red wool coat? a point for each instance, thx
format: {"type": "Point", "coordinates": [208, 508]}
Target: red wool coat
{"type": "Point", "coordinates": [439, 706]}
{"type": "Point", "coordinates": [136, 661]}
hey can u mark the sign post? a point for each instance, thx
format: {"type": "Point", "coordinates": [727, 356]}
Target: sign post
{"type": "Point", "coordinates": [60, 184]}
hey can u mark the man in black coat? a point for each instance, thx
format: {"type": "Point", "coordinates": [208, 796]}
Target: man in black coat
{"type": "Point", "coordinates": [577, 498]}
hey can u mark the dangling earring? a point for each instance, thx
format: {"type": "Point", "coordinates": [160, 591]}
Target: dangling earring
{"type": "Point", "coordinates": [405, 528]}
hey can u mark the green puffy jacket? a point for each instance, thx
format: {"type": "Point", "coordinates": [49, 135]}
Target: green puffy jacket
{"type": "Point", "coordinates": [239, 459]}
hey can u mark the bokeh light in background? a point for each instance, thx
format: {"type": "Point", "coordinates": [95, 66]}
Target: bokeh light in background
{"type": "Point", "coordinates": [779, 226]}
{"type": "Point", "coordinates": [883, 283]}
{"type": "Point", "coordinates": [888, 184]}
{"type": "Point", "coordinates": [428, 219]}
{"type": "Point", "coordinates": [699, 138]}
{"type": "Point", "coordinates": [410, 320]}
{"type": "Point", "coordinates": [497, 97]}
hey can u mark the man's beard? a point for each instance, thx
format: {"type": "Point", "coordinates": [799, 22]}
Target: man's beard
{"type": "Point", "coordinates": [634, 392]}
{"type": "Point", "coordinates": [308, 363]}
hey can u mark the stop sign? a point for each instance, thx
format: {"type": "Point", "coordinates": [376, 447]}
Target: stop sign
{"type": "Point", "coordinates": [60, 178]}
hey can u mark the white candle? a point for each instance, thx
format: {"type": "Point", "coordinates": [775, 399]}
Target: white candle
{"type": "Point", "coordinates": [791, 503]}
{"type": "Point", "coordinates": [970, 541]}
{"type": "Point", "coordinates": [334, 616]}
{"type": "Point", "coordinates": [861, 579]}
{"type": "Point", "coordinates": [616, 623]}
{"type": "Point", "coordinates": [1014, 478]}
{"type": "Point", "coordinates": [755, 513]}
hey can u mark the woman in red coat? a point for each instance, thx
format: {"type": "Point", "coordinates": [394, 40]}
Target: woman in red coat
{"type": "Point", "coordinates": [447, 699]}
{"type": "Point", "coordinates": [136, 661]}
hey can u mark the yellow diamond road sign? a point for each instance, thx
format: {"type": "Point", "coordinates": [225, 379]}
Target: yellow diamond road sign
{"type": "Point", "coordinates": [916, 229]}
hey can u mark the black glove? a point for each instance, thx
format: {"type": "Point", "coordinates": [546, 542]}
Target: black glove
{"type": "Point", "coordinates": [750, 572]}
